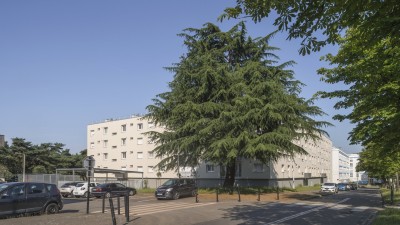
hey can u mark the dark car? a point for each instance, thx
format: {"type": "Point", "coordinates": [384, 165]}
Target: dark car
{"type": "Point", "coordinates": [174, 188]}
{"type": "Point", "coordinates": [112, 189]}
{"type": "Point", "coordinates": [343, 187]}
{"type": "Point", "coordinates": [28, 198]}
{"type": "Point", "coordinates": [67, 189]}
{"type": "Point", "coordinates": [353, 186]}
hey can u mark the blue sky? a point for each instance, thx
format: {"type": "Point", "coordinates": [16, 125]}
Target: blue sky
{"type": "Point", "coordinates": [67, 64]}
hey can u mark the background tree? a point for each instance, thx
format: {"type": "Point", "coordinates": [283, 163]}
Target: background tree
{"type": "Point", "coordinates": [43, 158]}
{"type": "Point", "coordinates": [229, 100]}
{"type": "Point", "coordinates": [306, 20]}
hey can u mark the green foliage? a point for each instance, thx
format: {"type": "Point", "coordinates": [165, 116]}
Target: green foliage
{"type": "Point", "coordinates": [39, 170]}
{"type": "Point", "coordinates": [228, 100]}
{"type": "Point", "coordinates": [307, 20]}
{"type": "Point", "coordinates": [374, 92]}
{"type": "Point", "coordinates": [43, 158]}
{"type": "Point", "coordinates": [378, 163]}
{"type": "Point", "coordinates": [388, 216]}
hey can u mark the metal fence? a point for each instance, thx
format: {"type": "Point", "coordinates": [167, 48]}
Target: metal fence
{"type": "Point", "coordinates": [140, 183]}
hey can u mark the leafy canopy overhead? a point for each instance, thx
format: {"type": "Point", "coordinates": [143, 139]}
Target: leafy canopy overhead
{"type": "Point", "coordinates": [229, 99]}
{"type": "Point", "coordinates": [372, 73]}
{"type": "Point", "coordinates": [306, 19]}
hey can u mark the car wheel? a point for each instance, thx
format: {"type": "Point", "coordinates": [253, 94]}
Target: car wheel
{"type": "Point", "coordinates": [176, 195]}
{"type": "Point", "coordinates": [194, 192]}
{"type": "Point", "coordinates": [108, 195]}
{"type": "Point", "coordinates": [131, 193]}
{"type": "Point", "coordinates": [52, 208]}
{"type": "Point", "coordinates": [85, 195]}
{"type": "Point", "coordinates": [71, 194]}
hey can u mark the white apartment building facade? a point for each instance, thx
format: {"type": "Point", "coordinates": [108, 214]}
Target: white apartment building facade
{"type": "Point", "coordinates": [121, 144]}
{"type": "Point", "coordinates": [354, 175]}
{"type": "Point", "coordinates": [340, 166]}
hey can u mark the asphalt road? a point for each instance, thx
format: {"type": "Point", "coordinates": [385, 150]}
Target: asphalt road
{"type": "Point", "coordinates": [346, 208]}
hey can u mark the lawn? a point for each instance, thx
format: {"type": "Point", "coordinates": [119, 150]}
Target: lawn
{"type": "Point", "coordinates": [388, 216]}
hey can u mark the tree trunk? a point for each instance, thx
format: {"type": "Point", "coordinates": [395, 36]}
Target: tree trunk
{"type": "Point", "coordinates": [230, 174]}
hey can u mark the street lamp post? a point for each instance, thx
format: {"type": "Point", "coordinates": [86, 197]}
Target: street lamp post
{"type": "Point", "coordinates": [23, 168]}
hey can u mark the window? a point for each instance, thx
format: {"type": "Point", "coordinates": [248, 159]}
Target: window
{"type": "Point", "coordinates": [130, 152]}
{"type": "Point", "coordinates": [123, 141]}
{"type": "Point", "coordinates": [209, 168]}
{"type": "Point", "coordinates": [140, 126]}
{"type": "Point", "coordinates": [105, 143]}
{"type": "Point", "coordinates": [91, 132]}
{"type": "Point", "coordinates": [91, 145]}
{"type": "Point", "coordinates": [105, 156]}
{"type": "Point", "coordinates": [123, 128]}
{"type": "Point", "coordinates": [105, 130]}
{"type": "Point", "coordinates": [114, 133]}
{"type": "Point", "coordinates": [140, 155]}
{"type": "Point", "coordinates": [151, 124]}
{"type": "Point", "coordinates": [140, 141]}
{"type": "Point", "coordinates": [123, 155]}
{"type": "Point", "coordinates": [150, 154]}
{"type": "Point", "coordinates": [131, 124]}
{"type": "Point", "coordinates": [114, 160]}
{"type": "Point", "coordinates": [130, 166]}
{"type": "Point", "coordinates": [150, 169]}
{"type": "Point", "coordinates": [222, 171]}
{"type": "Point", "coordinates": [258, 168]}
{"type": "Point", "coordinates": [35, 189]}
{"type": "Point", "coordinates": [238, 169]}
{"type": "Point", "coordinates": [140, 168]}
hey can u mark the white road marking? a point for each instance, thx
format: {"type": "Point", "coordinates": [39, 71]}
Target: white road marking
{"type": "Point", "coordinates": [306, 212]}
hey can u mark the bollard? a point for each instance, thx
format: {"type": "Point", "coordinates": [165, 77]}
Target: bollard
{"type": "Point", "coordinates": [259, 193]}
{"type": "Point", "coordinates": [197, 197]}
{"type": "Point", "coordinates": [104, 202]}
{"type": "Point", "coordinates": [277, 192]}
{"type": "Point", "coordinates": [238, 189]}
{"type": "Point", "coordinates": [217, 194]}
{"type": "Point", "coordinates": [114, 221]}
{"type": "Point", "coordinates": [118, 205]}
{"type": "Point", "coordinates": [127, 206]}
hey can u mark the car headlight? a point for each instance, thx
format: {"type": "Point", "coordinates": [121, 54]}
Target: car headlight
{"type": "Point", "coordinates": [170, 189]}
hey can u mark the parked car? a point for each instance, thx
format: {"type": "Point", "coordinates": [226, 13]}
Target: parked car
{"type": "Point", "coordinates": [28, 198]}
{"type": "Point", "coordinates": [67, 189]}
{"type": "Point", "coordinates": [343, 187]}
{"type": "Point", "coordinates": [112, 189]}
{"type": "Point", "coordinates": [329, 187]}
{"type": "Point", "coordinates": [82, 190]}
{"type": "Point", "coordinates": [175, 188]}
{"type": "Point", "coordinates": [353, 186]}
{"type": "Point", "coordinates": [363, 182]}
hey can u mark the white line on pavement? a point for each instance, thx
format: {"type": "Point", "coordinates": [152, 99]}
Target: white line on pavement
{"type": "Point", "coordinates": [306, 212]}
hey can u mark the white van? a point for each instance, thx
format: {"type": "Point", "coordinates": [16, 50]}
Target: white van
{"type": "Point", "coordinates": [81, 189]}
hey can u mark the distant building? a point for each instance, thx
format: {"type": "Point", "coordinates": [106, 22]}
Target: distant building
{"type": "Point", "coordinates": [340, 166]}
{"type": "Point", "coordinates": [354, 175]}
{"type": "Point", "coordinates": [2, 141]}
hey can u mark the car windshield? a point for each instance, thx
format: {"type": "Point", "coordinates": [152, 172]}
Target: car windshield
{"type": "Point", "coordinates": [80, 185]}
{"type": "Point", "coordinates": [170, 182]}
{"type": "Point", "coordinates": [329, 184]}
{"type": "Point", "coordinates": [4, 186]}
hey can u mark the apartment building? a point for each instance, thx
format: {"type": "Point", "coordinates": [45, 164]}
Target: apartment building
{"type": "Point", "coordinates": [121, 144]}
{"type": "Point", "coordinates": [354, 175]}
{"type": "Point", "coordinates": [340, 165]}
{"type": "Point", "coordinates": [305, 170]}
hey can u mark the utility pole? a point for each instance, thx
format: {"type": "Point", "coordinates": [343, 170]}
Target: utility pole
{"type": "Point", "coordinates": [23, 168]}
